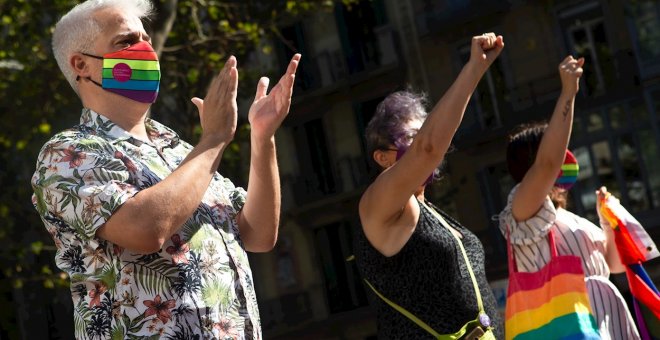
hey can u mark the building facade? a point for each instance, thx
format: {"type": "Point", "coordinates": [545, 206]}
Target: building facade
{"type": "Point", "coordinates": [358, 54]}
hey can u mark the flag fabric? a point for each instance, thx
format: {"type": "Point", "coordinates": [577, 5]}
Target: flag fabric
{"type": "Point", "coordinates": [635, 247]}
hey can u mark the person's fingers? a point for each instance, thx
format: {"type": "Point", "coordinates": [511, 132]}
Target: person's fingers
{"type": "Point", "coordinates": [199, 103]}
{"type": "Point", "coordinates": [233, 82]}
{"type": "Point", "coordinates": [488, 41]}
{"type": "Point", "coordinates": [500, 41]}
{"type": "Point", "coordinates": [581, 61]}
{"type": "Point", "coordinates": [262, 88]}
{"type": "Point", "coordinates": [220, 78]}
{"type": "Point", "coordinates": [293, 66]}
{"type": "Point", "coordinates": [289, 77]}
{"type": "Point", "coordinates": [288, 88]}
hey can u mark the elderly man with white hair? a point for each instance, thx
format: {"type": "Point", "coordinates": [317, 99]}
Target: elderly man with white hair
{"type": "Point", "coordinates": [153, 238]}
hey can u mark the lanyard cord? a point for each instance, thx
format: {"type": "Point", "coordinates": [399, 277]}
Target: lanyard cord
{"type": "Point", "coordinates": [467, 260]}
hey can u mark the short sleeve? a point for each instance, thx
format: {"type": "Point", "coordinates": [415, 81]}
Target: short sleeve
{"type": "Point", "coordinates": [237, 195]}
{"type": "Point", "coordinates": [80, 182]}
{"type": "Point", "coordinates": [529, 231]}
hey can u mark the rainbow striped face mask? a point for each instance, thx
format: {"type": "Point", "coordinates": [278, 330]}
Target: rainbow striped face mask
{"type": "Point", "coordinates": [133, 72]}
{"type": "Point", "coordinates": [569, 172]}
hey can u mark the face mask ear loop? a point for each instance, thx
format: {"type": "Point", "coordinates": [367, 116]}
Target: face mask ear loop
{"type": "Point", "coordinates": [91, 55]}
{"type": "Point", "coordinates": [90, 79]}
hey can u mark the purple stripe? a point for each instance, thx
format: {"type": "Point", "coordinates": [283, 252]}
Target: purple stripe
{"type": "Point", "coordinates": [141, 96]}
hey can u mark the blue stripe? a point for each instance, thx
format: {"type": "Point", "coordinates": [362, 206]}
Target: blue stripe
{"type": "Point", "coordinates": [639, 270]}
{"type": "Point", "coordinates": [143, 85]}
{"type": "Point", "coordinates": [566, 179]}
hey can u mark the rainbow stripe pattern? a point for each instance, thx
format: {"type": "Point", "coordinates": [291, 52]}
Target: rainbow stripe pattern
{"type": "Point", "coordinates": [551, 303]}
{"type": "Point", "coordinates": [569, 172]}
{"type": "Point", "coordinates": [635, 247]}
{"type": "Point", "coordinates": [133, 72]}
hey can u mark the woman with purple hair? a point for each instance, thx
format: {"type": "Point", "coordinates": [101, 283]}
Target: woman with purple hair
{"type": "Point", "coordinates": [539, 161]}
{"type": "Point", "coordinates": [412, 255]}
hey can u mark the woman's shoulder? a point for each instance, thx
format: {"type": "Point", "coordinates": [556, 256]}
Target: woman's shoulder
{"type": "Point", "coordinates": [536, 227]}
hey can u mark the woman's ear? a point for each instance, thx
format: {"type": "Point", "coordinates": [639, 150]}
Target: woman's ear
{"type": "Point", "coordinates": [383, 158]}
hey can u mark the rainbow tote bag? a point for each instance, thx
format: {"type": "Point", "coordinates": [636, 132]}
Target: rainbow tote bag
{"type": "Point", "coordinates": [551, 303]}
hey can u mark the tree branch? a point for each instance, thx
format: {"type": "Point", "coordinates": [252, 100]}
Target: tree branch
{"type": "Point", "coordinates": [165, 16]}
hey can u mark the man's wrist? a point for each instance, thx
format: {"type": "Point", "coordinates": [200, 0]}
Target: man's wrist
{"type": "Point", "coordinates": [213, 141]}
{"type": "Point", "coordinates": [261, 143]}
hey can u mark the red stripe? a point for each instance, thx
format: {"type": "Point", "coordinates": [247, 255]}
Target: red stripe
{"type": "Point", "coordinates": [134, 55]}
{"type": "Point", "coordinates": [643, 293]}
{"type": "Point", "coordinates": [628, 250]}
{"type": "Point", "coordinates": [565, 264]}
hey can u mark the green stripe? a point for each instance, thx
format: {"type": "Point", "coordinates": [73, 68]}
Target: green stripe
{"type": "Point", "coordinates": [136, 75]}
{"type": "Point", "coordinates": [563, 327]}
{"type": "Point", "coordinates": [570, 173]}
{"type": "Point", "coordinates": [134, 64]}
{"type": "Point", "coordinates": [570, 167]}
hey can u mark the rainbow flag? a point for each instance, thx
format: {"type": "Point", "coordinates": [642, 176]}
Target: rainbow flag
{"type": "Point", "coordinates": [635, 247]}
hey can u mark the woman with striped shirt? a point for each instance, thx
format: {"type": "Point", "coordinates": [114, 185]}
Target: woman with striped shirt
{"type": "Point", "coordinates": [536, 205]}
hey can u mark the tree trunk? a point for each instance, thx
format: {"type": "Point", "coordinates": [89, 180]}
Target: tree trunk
{"type": "Point", "coordinates": [162, 23]}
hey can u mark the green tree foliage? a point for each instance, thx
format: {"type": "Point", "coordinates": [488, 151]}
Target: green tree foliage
{"type": "Point", "coordinates": [194, 38]}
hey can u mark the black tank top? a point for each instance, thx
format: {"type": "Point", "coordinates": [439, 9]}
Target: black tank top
{"type": "Point", "coordinates": [429, 278]}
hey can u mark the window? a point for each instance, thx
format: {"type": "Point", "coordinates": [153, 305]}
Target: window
{"type": "Point", "coordinates": [586, 36]}
{"type": "Point", "coordinates": [620, 152]}
{"type": "Point", "coordinates": [644, 19]}
{"type": "Point", "coordinates": [364, 111]}
{"type": "Point", "coordinates": [292, 41]}
{"type": "Point", "coordinates": [343, 286]}
{"type": "Point", "coordinates": [317, 177]}
{"type": "Point", "coordinates": [495, 184]}
{"type": "Point", "coordinates": [356, 23]}
{"type": "Point", "coordinates": [488, 101]}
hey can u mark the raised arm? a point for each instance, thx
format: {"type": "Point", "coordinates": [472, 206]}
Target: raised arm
{"type": "Point", "coordinates": [541, 176]}
{"type": "Point", "coordinates": [144, 222]}
{"type": "Point", "coordinates": [385, 198]}
{"type": "Point", "coordinates": [260, 217]}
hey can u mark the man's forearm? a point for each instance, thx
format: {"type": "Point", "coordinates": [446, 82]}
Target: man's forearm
{"type": "Point", "coordinates": [259, 219]}
{"type": "Point", "coordinates": [148, 219]}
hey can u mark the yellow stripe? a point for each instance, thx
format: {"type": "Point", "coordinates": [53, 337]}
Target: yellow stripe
{"type": "Point", "coordinates": [523, 300]}
{"type": "Point", "coordinates": [147, 65]}
{"type": "Point", "coordinates": [570, 167]}
{"type": "Point", "coordinates": [558, 306]}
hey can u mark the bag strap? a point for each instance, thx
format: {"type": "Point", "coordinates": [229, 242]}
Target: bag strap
{"type": "Point", "coordinates": [513, 267]}
{"type": "Point", "coordinates": [405, 312]}
{"type": "Point", "coordinates": [467, 260]}
{"type": "Point", "coordinates": [551, 241]}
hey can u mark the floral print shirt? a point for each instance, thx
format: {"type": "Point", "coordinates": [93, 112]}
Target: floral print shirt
{"type": "Point", "coordinates": [198, 286]}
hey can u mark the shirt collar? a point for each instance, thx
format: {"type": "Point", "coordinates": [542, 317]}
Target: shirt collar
{"type": "Point", "coordinates": [159, 134]}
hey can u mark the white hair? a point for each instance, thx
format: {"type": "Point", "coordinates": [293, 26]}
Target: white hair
{"type": "Point", "coordinates": [78, 30]}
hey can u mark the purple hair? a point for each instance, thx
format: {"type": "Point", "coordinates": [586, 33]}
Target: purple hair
{"type": "Point", "coordinates": [389, 126]}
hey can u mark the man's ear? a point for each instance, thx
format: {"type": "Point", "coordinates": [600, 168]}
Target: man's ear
{"type": "Point", "coordinates": [79, 65]}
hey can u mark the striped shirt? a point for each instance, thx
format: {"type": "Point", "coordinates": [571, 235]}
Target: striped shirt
{"type": "Point", "coordinates": [577, 236]}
